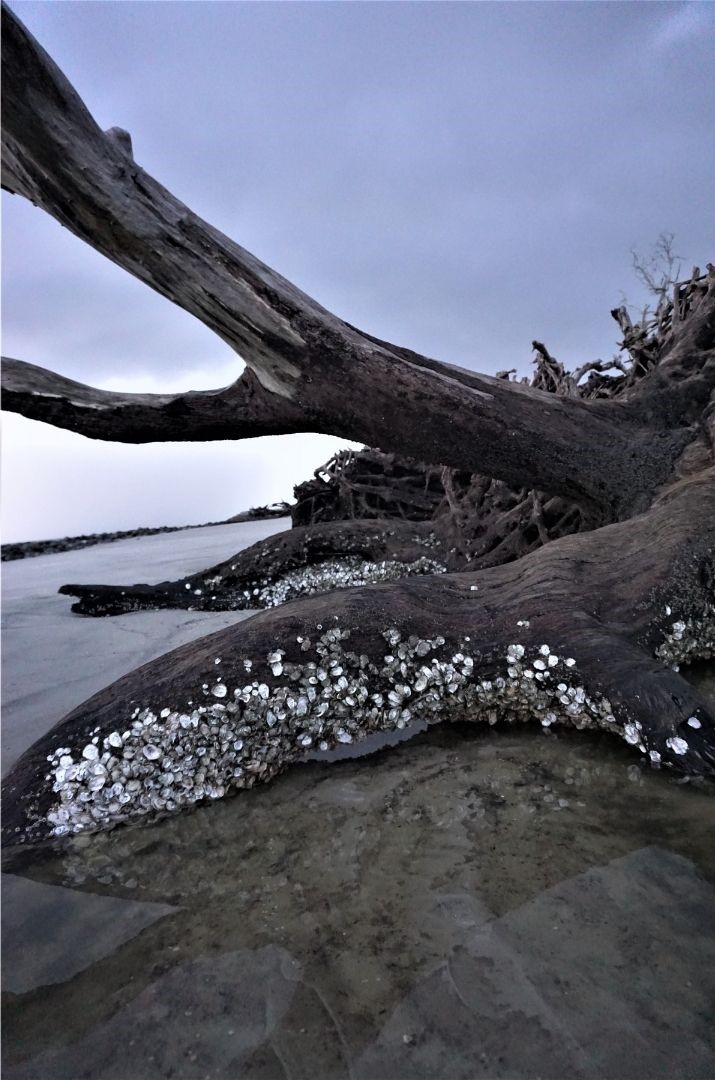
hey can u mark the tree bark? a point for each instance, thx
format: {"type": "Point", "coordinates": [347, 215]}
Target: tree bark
{"type": "Point", "coordinates": [586, 630]}
{"type": "Point", "coordinates": [337, 378]}
{"type": "Point", "coordinates": [567, 635]}
{"type": "Point", "coordinates": [252, 578]}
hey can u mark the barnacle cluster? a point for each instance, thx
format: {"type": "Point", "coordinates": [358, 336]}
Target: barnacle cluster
{"type": "Point", "coordinates": [430, 540]}
{"type": "Point", "coordinates": [170, 757]}
{"type": "Point", "coordinates": [338, 573]}
{"type": "Point", "coordinates": [689, 639]}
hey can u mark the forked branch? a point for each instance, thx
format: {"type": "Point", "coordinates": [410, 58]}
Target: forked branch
{"type": "Point", "coordinates": [338, 379]}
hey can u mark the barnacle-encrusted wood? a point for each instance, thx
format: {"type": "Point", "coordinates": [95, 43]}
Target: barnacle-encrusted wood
{"type": "Point", "coordinates": [587, 629]}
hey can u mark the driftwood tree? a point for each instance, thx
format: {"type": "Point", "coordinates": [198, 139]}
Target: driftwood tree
{"type": "Point", "coordinates": [587, 629]}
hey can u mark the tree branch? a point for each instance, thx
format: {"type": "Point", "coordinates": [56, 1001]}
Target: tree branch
{"type": "Point", "coordinates": [342, 381]}
{"type": "Point", "coordinates": [248, 578]}
{"type": "Point", "coordinates": [242, 410]}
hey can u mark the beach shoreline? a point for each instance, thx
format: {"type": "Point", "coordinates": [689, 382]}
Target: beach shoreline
{"type": "Point", "coordinates": [27, 549]}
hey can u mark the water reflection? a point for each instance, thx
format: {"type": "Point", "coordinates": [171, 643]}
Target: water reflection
{"type": "Point", "coordinates": [467, 904]}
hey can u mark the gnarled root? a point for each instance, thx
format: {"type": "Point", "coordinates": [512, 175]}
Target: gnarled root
{"type": "Point", "coordinates": [568, 635]}
{"type": "Point", "coordinates": [302, 561]}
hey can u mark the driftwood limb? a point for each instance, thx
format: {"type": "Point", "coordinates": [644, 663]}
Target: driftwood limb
{"type": "Point", "coordinates": [334, 376]}
{"type": "Point", "coordinates": [585, 629]}
{"type": "Point", "coordinates": [334, 669]}
{"type": "Point", "coordinates": [263, 575]}
{"type": "Point", "coordinates": [243, 410]}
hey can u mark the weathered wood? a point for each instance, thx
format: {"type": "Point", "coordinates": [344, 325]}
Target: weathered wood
{"type": "Point", "coordinates": [243, 410]}
{"type": "Point", "coordinates": [457, 646]}
{"type": "Point", "coordinates": [369, 483]}
{"type": "Point", "coordinates": [330, 376]}
{"type": "Point", "coordinates": [585, 629]}
{"type": "Point", "coordinates": [248, 578]}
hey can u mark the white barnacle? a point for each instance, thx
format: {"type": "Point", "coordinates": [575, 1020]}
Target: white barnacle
{"type": "Point", "coordinates": [694, 722]}
{"type": "Point", "coordinates": [678, 746]}
{"type": "Point", "coordinates": [544, 650]}
{"type": "Point", "coordinates": [114, 739]}
{"type": "Point", "coordinates": [553, 661]}
{"type": "Point", "coordinates": [539, 665]}
{"type": "Point", "coordinates": [219, 690]}
{"type": "Point", "coordinates": [631, 734]}
{"type": "Point", "coordinates": [343, 736]}
{"type": "Point", "coordinates": [90, 752]}
{"type": "Point", "coordinates": [654, 757]}
{"type": "Point", "coordinates": [151, 752]}
{"type": "Point", "coordinates": [569, 661]}
{"type": "Point", "coordinates": [305, 740]}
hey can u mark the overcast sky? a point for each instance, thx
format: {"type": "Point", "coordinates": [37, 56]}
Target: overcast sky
{"type": "Point", "coordinates": [456, 178]}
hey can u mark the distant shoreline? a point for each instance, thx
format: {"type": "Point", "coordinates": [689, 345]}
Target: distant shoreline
{"type": "Point", "coordinates": [29, 548]}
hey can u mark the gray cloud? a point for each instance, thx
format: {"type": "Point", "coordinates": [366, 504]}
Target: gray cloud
{"type": "Point", "coordinates": [459, 178]}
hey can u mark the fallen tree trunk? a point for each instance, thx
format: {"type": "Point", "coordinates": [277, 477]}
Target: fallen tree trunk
{"type": "Point", "coordinates": [278, 569]}
{"type": "Point", "coordinates": [585, 632]}
{"type": "Point", "coordinates": [584, 629]}
{"type": "Point", "coordinates": [307, 369]}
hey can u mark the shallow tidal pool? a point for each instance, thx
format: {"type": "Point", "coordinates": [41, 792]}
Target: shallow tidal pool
{"type": "Point", "coordinates": [470, 903]}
